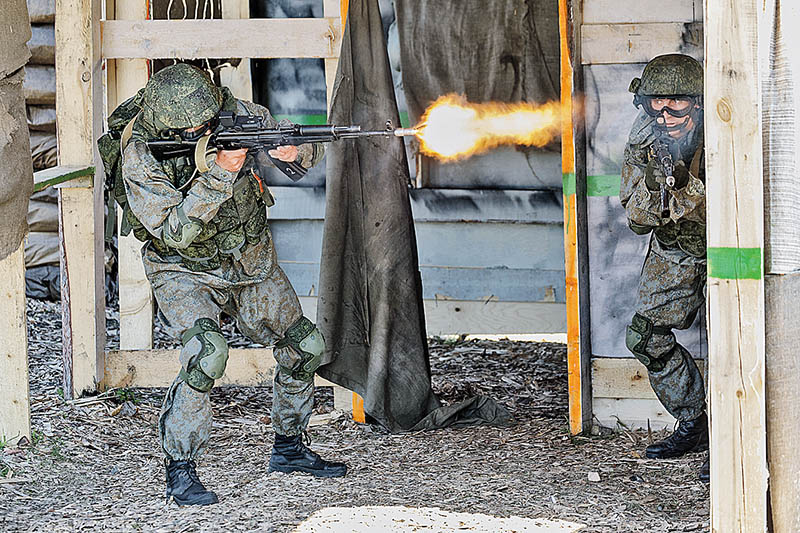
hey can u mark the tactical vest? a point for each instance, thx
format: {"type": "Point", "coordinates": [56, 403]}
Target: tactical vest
{"type": "Point", "coordinates": [241, 220]}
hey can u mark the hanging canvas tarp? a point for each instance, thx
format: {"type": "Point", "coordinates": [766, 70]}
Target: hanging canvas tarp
{"type": "Point", "coordinates": [370, 298]}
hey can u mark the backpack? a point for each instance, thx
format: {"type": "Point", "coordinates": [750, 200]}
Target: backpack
{"type": "Point", "coordinates": [109, 147]}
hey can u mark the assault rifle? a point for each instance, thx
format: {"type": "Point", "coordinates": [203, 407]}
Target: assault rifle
{"type": "Point", "coordinates": [232, 132]}
{"type": "Point", "coordinates": [665, 161]}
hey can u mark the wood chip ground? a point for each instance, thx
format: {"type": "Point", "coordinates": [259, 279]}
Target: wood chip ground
{"type": "Point", "coordinates": [94, 464]}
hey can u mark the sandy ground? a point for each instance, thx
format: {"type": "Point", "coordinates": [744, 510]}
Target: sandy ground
{"type": "Point", "coordinates": [94, 464]}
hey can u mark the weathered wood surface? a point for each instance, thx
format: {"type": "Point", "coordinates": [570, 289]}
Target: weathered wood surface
{"type": "Point", "coordinates": [80, 122]}
{"type": "Point", "coordinates": [15, 397]}
{"type": "Point", "coordinates": [634, 413]}
{"type": "Point", "coordinates": [261, 38]}
{"type": "Point", "coordinates": [734, 195]}
{"type": "Point", "coordinates": [42, 11]}
{"type": "Point", "coordinates": [641, 11]}
{"type": "Point", "coordinates": [638, 43]}
{"type": "Point", "coordinates": [623, 378]}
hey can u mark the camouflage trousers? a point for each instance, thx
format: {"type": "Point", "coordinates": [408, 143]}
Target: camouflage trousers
{"type": "Point", "coordinates": [671, 292]}
{"type": "Point", "coordinates": [264, 308]}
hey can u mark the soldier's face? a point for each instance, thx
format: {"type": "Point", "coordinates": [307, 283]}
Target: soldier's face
{"type": "Point", "coordinates": [677, 127]}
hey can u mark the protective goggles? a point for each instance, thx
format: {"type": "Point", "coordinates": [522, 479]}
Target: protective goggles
{"type": "Point", "coordinates": [677, 106]}
{"type": "Point", "coordinates": [195, 134]}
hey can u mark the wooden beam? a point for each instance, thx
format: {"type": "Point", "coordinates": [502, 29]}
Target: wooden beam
{"type": "Point", "coordinates": [80, 115]}
{"type": "Point", "coordinates": [736, 343]}
{"type": "Point", "coordinates": [191, 39]}
{"type": "Point", "coordinates": [638, 43]}
{"type": "Point", "coordinates": [573, 163]}
{"type": "Point", "coordinates": [623, 377]}
{"type": "Point", "coordinates": [247, 367]}
{"type": "Point", "coordinates": [614, 12]}
{"type": "Point", "coordinates": [15, 413]}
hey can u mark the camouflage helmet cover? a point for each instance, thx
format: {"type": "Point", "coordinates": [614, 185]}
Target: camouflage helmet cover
{"type": "Point", "coordinates": [670, 75]}
{"type": "Point", "coordinates": [182, 96]}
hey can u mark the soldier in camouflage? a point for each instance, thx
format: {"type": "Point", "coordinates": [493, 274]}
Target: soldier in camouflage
{"type": "Point", "coordinates": [208, 249]}
{"type": "Point", "coordinates": [672, 282]}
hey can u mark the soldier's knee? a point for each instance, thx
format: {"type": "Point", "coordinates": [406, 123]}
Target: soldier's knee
{"type": "Point", "coordinates": [307, 340]}
{"type": "Point", "coordinates": [637, 337]}
{"type": "Point", "coordinates": [208, 364]}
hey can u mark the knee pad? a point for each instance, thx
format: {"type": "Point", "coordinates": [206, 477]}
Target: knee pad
{"type": "Point", "coordinates": [638, 335]}
{"type": "Point", "coordinates": [209, 363]}
{"type": "Point", "coordinates": [307, 340]}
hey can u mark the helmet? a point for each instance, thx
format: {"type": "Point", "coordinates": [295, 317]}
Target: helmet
{"type": "Point", "coordinates": [670, 75]}
{"type": "Point", "coordinates": [181, 96]}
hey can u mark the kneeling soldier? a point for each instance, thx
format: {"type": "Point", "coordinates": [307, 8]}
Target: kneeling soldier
{"type": "Point", "coordinates": [208, 249]}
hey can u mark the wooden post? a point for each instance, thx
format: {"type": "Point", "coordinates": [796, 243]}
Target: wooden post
{"type": "Point", "coordinates": [237, 79]}
{"type": "Point", "coordinates": [125, 78]}
{"type": "Point", "coordinates": [79, 100]}
{"type": "Point", "coordinates": [734, 197]}
{"type": "Point", "coordinates": [15, 413]}
{"type": "Point", "coordinates": [573, 168]}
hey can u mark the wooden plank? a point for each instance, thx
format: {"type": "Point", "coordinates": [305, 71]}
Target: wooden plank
{"type": "Point", "coordinates": [60, 175]}
{"type": "Point", "coordinates": [638, 43]}
{"type": "Point", "coordinates": [15, 413]}
{"type": "Point", "coordinates": [634, 413]}
{"type": "Point", "coordinates": [617, 12]}
{"type": "Point", "coordinates": [79, 93]}
{"type": "Point", "coordinates": [573, 163]}
{"type": "Point", "coordinates": [263, 38]}
{"type": "Point", "coordinates": [247, 367]}
{"type": "Point", "coordinates": [736, 342]}
{"type": "Point", "coordinates": [614, 377]}
{"type": "Point", "coordinates": [238, 79]}
{"type": "Point", "coordinates": [336, 10]}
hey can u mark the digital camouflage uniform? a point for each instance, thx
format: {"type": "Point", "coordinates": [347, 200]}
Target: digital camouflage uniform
{"type": "Point", "coordinates": [229, 266]}
{"type": "Point", "coordinates": [672, 282]}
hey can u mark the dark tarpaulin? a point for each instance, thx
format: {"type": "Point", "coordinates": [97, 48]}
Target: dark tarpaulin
{"type": "Point", "coordinates": [370, 302]}
{"type": "Point", "coordinates": [488, 51]}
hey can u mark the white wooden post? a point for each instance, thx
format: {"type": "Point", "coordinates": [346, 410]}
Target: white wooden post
{"type": "Point", "coordinates": [125, 78]}
{"type": "Point", "coordinates": [734, 197]}
{"type": "Point", "coordinates": [15, 413]}
{"type": "Point", "coordinates": [79, 101]}
{"type": "Point", "coordinates": [237, 79]}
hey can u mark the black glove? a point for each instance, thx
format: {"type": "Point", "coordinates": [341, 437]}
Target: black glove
{"type": "Point", "coordinates": [681, 175]}
{"type": "Point", "coordinates": [653, 177]}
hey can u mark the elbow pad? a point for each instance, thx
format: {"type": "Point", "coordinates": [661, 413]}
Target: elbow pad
{"type": "Point", "coordinates": [179, 231]}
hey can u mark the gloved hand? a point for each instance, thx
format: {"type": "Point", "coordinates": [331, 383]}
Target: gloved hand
{"type": "Point", "coordinates": [653, 177]}
{"type": "Point", "coordinates": [681, 174]}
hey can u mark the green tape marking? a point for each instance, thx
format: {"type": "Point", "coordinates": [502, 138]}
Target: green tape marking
{"type": "Point", "coordinates": [61, 178]}
{"type": "Point", "coordinates": [600, 185]}
{"type": "Point", "coordinates": [603, 185]}
{"type": "Point", "coordinates": [568, 183]}
{"type": "Point", "coordinates": [735, 263]}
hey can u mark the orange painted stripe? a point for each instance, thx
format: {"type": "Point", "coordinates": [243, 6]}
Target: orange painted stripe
{"type": "Point", "coordinates": [344, 5]}
{"type": "Point", "coordinates": [358, 409]}
{"type": "Point", "coordinates": [570, 230]}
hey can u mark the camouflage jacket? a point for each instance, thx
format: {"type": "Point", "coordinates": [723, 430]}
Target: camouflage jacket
{"type": "Point", "coordinates": [231, 207]}
{"type": "Point", "coordinates": [685, 227]}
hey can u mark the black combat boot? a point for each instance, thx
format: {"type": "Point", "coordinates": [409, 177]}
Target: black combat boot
{"type": "Point", "coordinates": [705, 472]}
{"type": "Point", "coordinates": [691, 436]}
{"type": "Point", "coordinates": [289, 454]}
{"type": "Point", "coordinates": [184, 486]}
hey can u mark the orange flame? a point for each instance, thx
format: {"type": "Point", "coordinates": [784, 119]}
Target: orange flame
{"type": "Point", "coordinates": [451, 128]}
